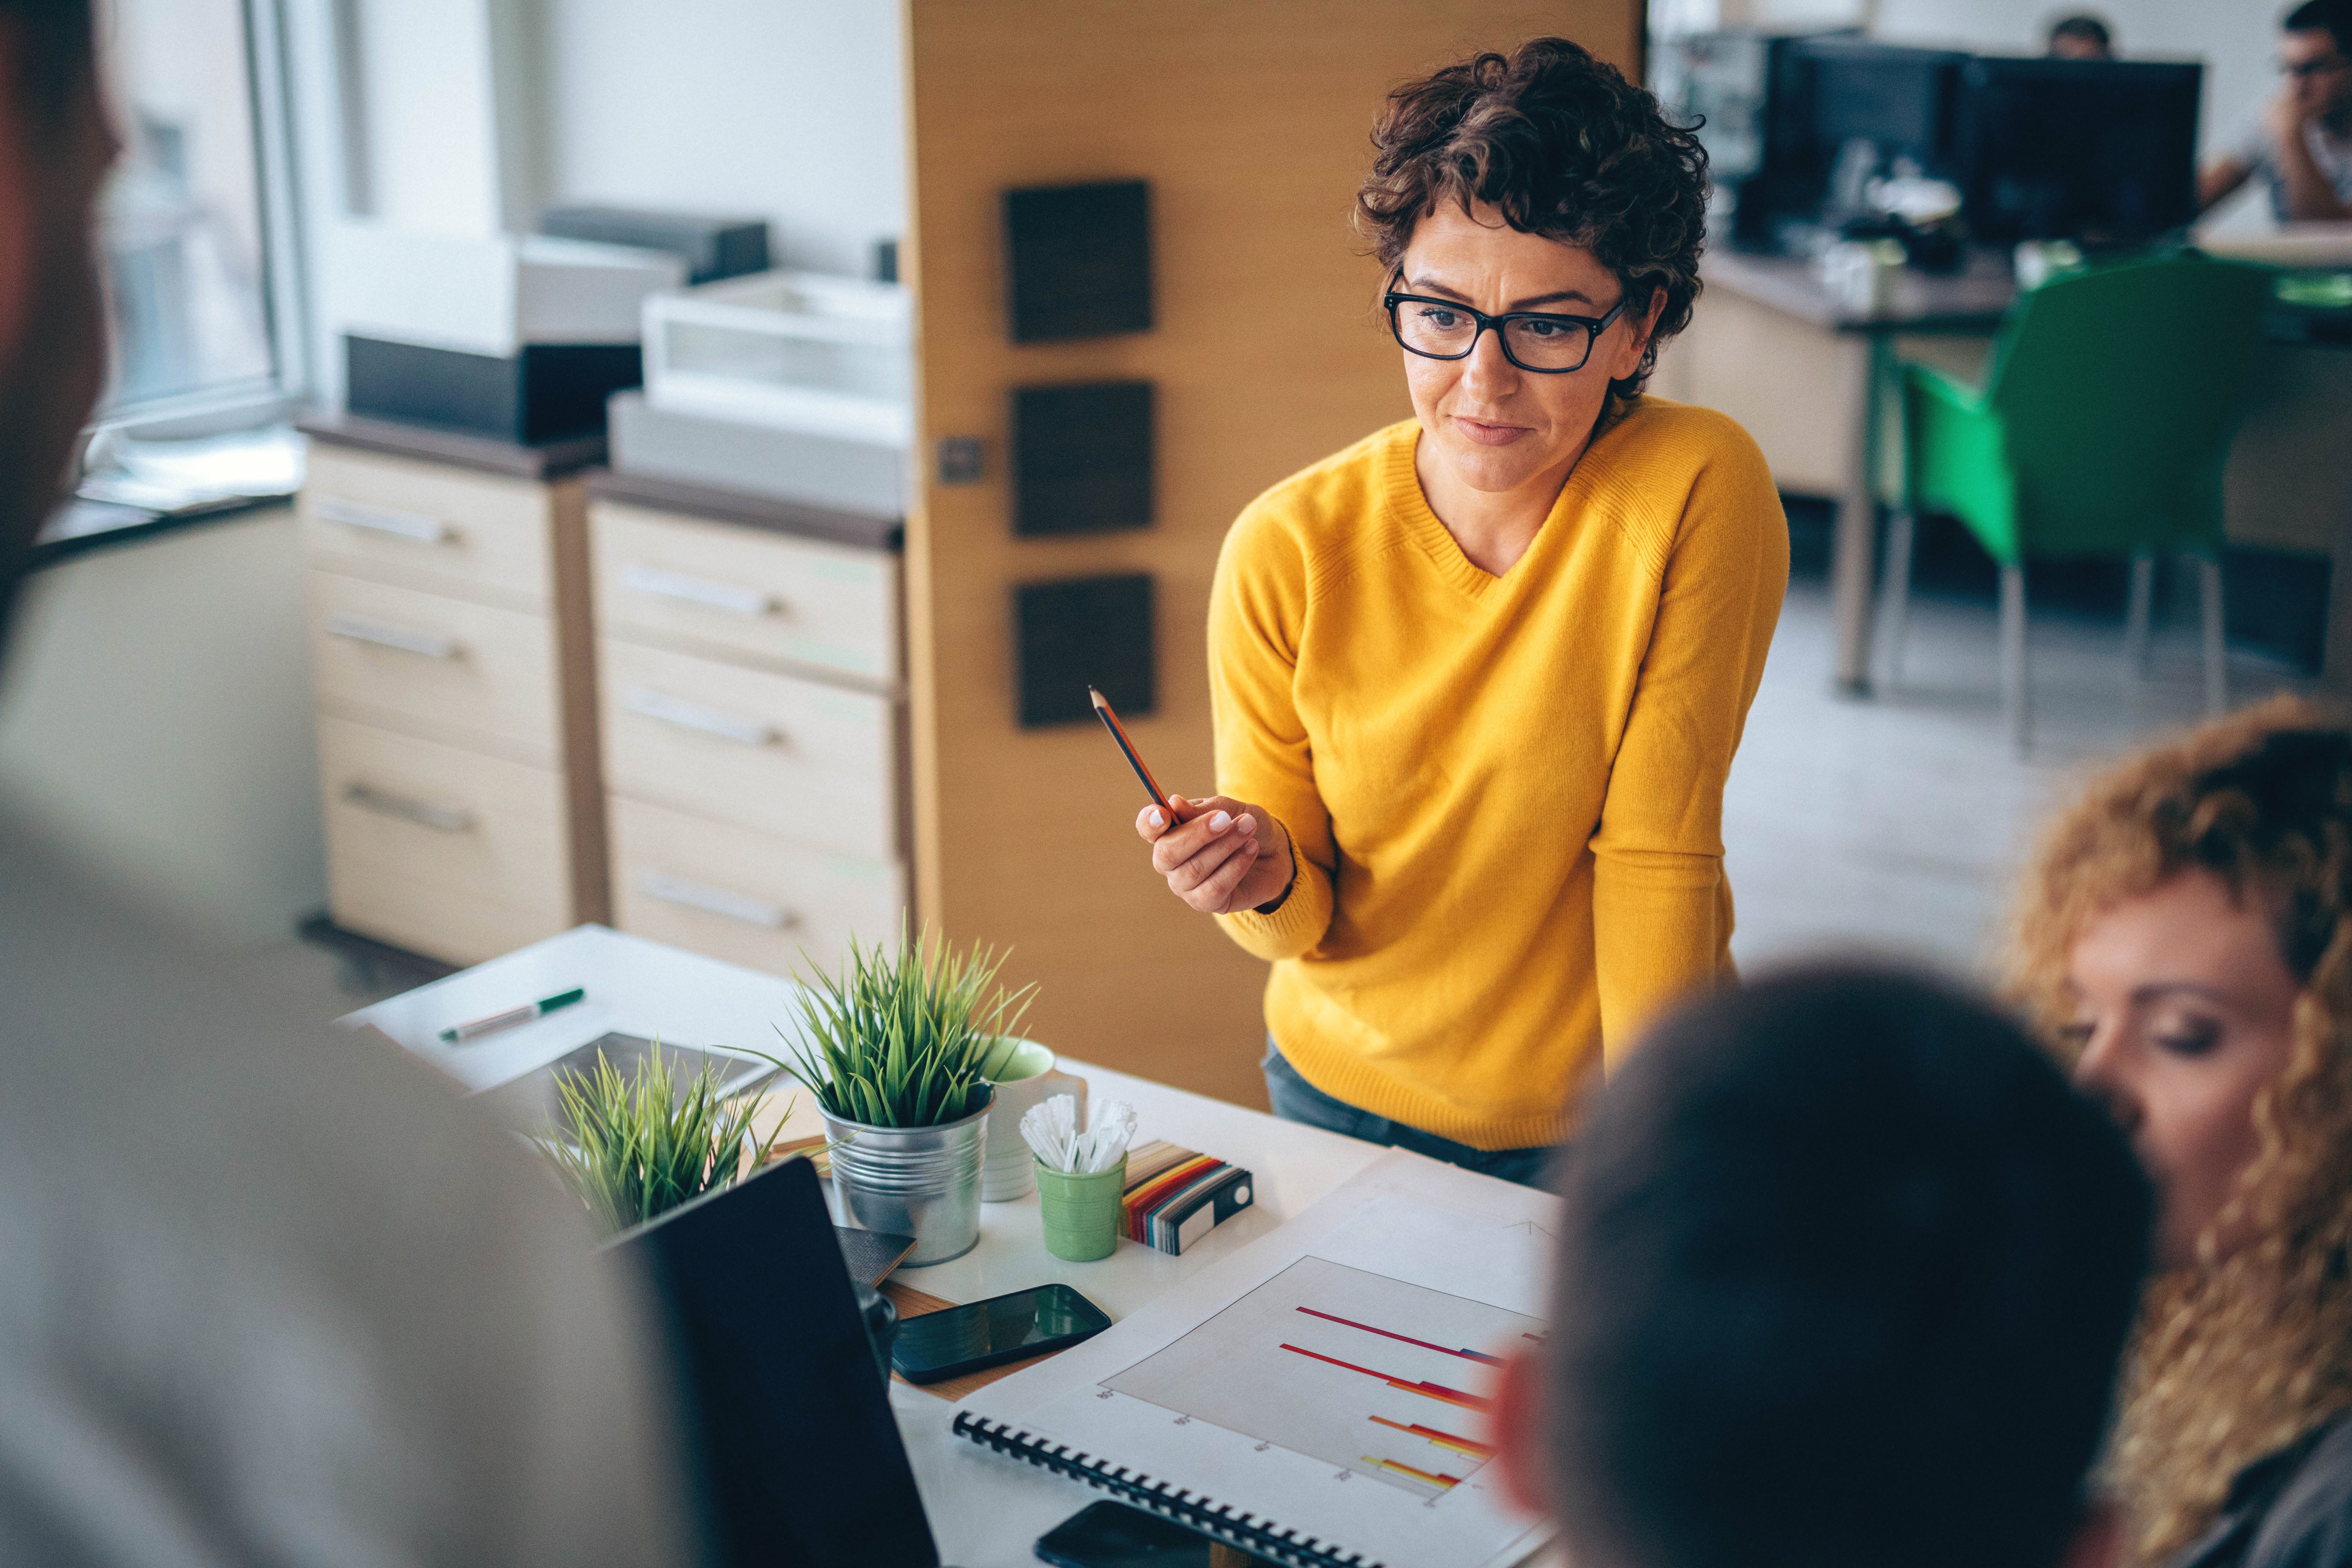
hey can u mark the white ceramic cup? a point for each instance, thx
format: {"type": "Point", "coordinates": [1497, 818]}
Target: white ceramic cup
{"type": "Point", "coordinates": [1026, 1078]}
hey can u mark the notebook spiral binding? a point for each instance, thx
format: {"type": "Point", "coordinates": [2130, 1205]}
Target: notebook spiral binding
{"type": "Point", "coordinates": [1261, 1537]}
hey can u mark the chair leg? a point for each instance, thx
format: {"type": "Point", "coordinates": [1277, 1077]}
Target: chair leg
{"type": "Point", "coordinates": [2013, 696]}
{"type": "Point", "coordinates": [2216, 660]}
{"type": "Point", "coordinates": [2138, 613]}
{"type": "Point", "coordinates": [1895, 593]}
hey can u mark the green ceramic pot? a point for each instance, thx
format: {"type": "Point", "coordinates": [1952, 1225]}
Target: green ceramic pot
{"type": "Point", "coordinates": [1081, 1212]}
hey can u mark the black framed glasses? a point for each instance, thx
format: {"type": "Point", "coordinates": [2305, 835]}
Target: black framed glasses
{"type": "Point", "coordinates": [1535, 340]}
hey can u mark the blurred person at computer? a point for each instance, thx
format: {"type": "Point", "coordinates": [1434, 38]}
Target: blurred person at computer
{"type": "Point", "coordinates": [2186, 937]}
{"type": "Point", "coordinates": [267, 1294]}
{"type": "Point", "coordinates": [2081, 37]}
{"type": "Point", "coordinates": [1844, 1271]}
{"type": "Point", "coordinates": [2302, 146]}
{"type": "Point", "coordinates": [1477, 678]}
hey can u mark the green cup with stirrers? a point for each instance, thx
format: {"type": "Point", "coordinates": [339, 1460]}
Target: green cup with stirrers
{"type": "Point", "coordinates": [1081, 1211]}
{"type": "Point", "coordinates": [1081, 1177]}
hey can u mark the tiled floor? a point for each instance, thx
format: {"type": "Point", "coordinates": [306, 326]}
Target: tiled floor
{"type": "Point", "coordinates": [1896, 825]}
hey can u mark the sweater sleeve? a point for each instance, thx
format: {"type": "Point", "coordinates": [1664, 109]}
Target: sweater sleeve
{"type": "Point", "coordinates": [1661, 911]}
{"type": "Point", "coordinates": [1257, 607]}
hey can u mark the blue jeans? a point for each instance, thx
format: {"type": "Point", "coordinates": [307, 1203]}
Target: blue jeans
{"type": "Point", "coordinates": [1296, 1099]}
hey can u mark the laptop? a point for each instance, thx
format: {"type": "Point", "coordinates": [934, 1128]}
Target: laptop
{"type": "Point", "coordinates": [789, 1431]}
{"type": "Point", "coordinates": [532, 1103]}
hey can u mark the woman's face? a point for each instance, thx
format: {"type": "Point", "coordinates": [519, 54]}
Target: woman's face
{"type": "Point", "coordinates": [2185, 1010]}
{"type": "Point", "coordinates": [1497, 427]}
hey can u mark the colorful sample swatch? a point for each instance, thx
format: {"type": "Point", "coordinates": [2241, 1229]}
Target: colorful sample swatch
{"type": "Point", "coordinates": [1175, 1196]}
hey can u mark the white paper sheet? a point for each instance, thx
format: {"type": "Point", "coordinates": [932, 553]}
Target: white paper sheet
{"type": "Point", "coordinates": [1332, 1376]}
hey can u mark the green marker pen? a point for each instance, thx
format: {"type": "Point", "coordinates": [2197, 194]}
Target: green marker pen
{"type": "Point", "coordinates": [462, 1033]}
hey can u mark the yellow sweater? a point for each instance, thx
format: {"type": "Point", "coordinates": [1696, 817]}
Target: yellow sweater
{"type": "Point", "coordinates": [1505, 794]}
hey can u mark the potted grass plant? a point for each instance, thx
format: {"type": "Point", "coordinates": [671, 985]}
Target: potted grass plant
{"type": "Point", "coordinates": [633, 1146]}
{"type": "Point", "coordinates": [895, 1049]}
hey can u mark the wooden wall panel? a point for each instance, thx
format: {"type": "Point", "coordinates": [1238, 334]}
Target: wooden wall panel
{"type": "Point", "coordinates": [1250, 119]}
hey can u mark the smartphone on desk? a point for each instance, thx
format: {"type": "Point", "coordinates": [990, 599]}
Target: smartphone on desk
{"type": "Point", "coordinates": [972, 1338]}
{"type": "Point", "coordinates": [1113, 1535]}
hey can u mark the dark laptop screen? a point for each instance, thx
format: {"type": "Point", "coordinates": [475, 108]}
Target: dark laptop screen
{"type": "Point", "coordinates": [799, 1457]}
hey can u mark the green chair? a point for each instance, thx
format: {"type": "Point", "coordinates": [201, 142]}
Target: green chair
{"type": "Point", "coordinates": [2101, 430]}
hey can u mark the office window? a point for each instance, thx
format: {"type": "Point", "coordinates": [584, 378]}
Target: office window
{"type": "Point", "coordinates": [185, 219]}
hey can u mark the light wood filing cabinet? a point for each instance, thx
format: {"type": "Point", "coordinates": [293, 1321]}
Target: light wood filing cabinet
{"type": "Point", "coordinates": [453, 669]}
{"type": "Point", "coordinates": [749, 668]}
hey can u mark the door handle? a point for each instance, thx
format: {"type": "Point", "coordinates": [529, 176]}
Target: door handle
{"type": "Point", "coordinates": [384, 634]}
{"type": "Point", "coordinates": [737, 727]}
{"type": "Point", "coordinates": [424, 814]}
{"type": "Point", "coordinates": [412, 525]}
{"type": "Point", "coordinates": [735, 598]}
{"type": "Point", "coordinates": [719, 901]}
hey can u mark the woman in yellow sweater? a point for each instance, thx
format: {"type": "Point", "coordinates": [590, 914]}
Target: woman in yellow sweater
{"type": "Point", "coordinates": [1479, 678]}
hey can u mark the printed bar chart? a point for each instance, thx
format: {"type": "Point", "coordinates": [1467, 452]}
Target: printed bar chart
{"type": "Point", "coordinates": [1479, 1451]}
{"type": "Point", "coordinates": [1350, 1367]}
{"type": "Point", "coordinates": [1408, 1339]}
{"type": "Point", "coordinates": [1425, 1389]}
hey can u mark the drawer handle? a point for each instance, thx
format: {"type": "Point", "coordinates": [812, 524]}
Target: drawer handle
{"type": "Point", "coordinates": [383, 634]}
{"type": "Point", "coordinates": [686, 715]}
{"type": "Point", "coordinates": [732, 597]}
{"type": "Point", "coordinates": [412, 525]}
{"type": "Point", "coordinates": [719, 901]}
{"type": "Point", "coordinates": [383, 803]}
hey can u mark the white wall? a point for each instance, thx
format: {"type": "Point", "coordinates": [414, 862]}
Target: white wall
{"type": "Point", "coordinates": [793, 111]}
{"type": "Point", "coordinates": [155, 716]}
{"type": "Point", "coordinates": [428, 138]}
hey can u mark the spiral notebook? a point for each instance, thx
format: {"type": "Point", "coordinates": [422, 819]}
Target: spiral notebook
{"type": "Point", "coordinates": [1318, 1398]}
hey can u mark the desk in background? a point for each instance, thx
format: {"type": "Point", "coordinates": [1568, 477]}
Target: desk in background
{"type": "Point", "coordinates": [985, 1512]}
{"type": "Point", "coordinates": [1807, 375]}
{"type": "Point", "coordinates": [1810, 378]}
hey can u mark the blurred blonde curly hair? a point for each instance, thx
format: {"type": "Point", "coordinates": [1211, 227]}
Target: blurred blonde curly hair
{"type": "Point", "coordinates": [2237, 1357]}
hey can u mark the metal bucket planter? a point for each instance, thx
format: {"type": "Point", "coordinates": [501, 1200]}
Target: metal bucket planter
{"type": "Point", "coordinates": [923, 1182]}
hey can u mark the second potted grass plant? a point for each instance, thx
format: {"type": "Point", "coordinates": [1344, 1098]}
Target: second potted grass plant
{"type": "Point", "coordinates": [893, 1047]}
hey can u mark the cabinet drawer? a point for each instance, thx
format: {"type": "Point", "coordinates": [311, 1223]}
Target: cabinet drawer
{"type": "Point", "coordinates": [752, 899]}
{"type": "Point", "coordinates": [450, 668]}
{"type": "Point", "coordinates": [428, 525]}
{"type": "Point", "coordinates": [438, 850]}
{"type": "Point", "coordinates": [742, 592]}
{"type": "Point", "coordinates": [751, 748]}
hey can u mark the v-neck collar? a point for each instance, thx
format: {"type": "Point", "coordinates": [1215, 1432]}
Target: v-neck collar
{"type": "Point", "coordinates": [1410, 506]}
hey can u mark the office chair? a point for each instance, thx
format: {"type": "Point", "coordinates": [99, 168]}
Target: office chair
{"type": "Point", "coordinates": [2101, 430]}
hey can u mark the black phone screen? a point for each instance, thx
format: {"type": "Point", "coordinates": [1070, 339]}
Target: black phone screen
{"type": "Point", "coordinates": [949, 1343]}
{"type": "Point", "coordinates": [1113, 1535]}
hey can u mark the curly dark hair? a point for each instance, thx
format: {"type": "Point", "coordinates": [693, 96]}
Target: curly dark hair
{"type": "Point", "coordinates": [1565, 147]}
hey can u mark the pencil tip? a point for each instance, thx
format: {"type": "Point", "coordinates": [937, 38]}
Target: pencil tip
{"type": "Point", "coordinates": [1095, 697]}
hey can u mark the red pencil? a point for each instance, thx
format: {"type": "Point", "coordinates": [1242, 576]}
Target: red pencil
{"type": "Point", "coordinates": [1111, 721]}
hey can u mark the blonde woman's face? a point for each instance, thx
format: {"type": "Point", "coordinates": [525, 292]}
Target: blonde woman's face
{"type": "Point", "coordinates": [2184, 1010]}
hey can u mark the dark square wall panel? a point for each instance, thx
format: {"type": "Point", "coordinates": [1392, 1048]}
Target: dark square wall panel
{"type": "Point", "coordinates": [1078, 632]}
{"type": "Point", "coordinates": [1078, 260]}
{"type": "Point", "coordinates": [1082, 457]}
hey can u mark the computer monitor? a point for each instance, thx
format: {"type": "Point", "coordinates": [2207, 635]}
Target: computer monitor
{"type": "Point", "coordinates": [2097, 151]}
{"type": "Point", "coordinates": [1898, 100]}
{"type": "Point", "coordinates": [789, 1423]}
{"type": "Point", "coordinates": [1829, 91]}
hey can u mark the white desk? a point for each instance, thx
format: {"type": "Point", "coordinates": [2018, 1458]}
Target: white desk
{"type": "Point", "coordinates": [985, 1512]}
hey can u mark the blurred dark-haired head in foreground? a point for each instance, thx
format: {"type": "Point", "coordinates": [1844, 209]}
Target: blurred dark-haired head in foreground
{"type": "Point", "coordinates": [267, 1294]}
{"type": "Point", "coordinates": [1845, 1273]}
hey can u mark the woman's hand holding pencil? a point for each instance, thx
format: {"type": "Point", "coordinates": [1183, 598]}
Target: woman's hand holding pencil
{"type": "Point", "coordinates": [1220, 856]}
